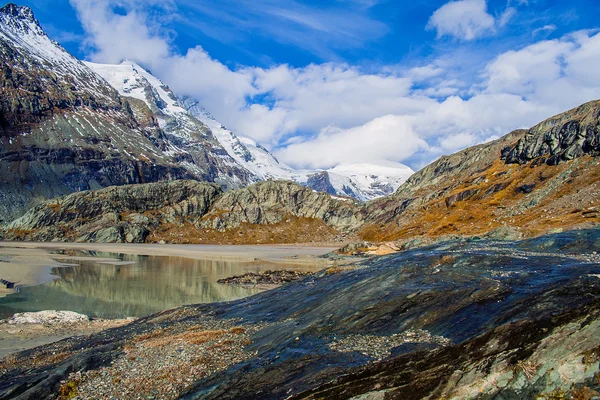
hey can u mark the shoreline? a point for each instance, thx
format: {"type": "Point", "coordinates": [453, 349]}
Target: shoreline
{"type": "Point", "coordinates": [31, 263]}
{"type": "Point", "coordinates": [292, 253]}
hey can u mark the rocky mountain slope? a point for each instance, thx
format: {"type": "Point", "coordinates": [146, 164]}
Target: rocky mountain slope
{"type": "Point", "coordinates": [527, 183]}
{"type": "Point", "coordinates": [462, 320]}
{"type": "Point", "coordinates": [65, 129]}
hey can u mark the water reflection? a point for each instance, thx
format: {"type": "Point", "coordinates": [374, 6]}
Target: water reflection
{"type": "Point", "coordinates": [145, 285]}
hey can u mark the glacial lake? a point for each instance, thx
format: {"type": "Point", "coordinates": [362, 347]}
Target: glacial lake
{"type": "Point", "coordinates": [110, 285]}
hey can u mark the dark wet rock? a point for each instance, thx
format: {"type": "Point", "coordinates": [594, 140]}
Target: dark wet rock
{"type": "Point", "coordinates": [470, 319]}
{"type": "Point", "coordinates": [265, 278]}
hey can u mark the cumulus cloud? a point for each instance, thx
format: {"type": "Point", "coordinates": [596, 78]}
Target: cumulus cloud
{"type": "Point", "coordinates": [390, 137]}
{"type": "Point", "coordinates": [463, 19]}
{"type": "Point", "coordinates": [323, 114]}
{"type": "Point", "coordinates": [112, 34]}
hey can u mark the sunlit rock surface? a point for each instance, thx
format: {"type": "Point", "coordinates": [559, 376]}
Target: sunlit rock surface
{"type": "Point", "coordinates": [464, 319]}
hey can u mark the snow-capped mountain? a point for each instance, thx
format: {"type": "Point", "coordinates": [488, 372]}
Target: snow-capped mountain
{"type": "Point", "coordinates": [190, 136]}
{"type": "Point", "coordinates": [362, 181]}
{"type": "Point", "coordinates": [64, 128]}
{"type": "Point", "coordinates": [368, 180]}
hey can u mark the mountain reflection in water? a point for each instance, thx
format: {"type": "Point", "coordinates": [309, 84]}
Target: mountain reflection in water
{"type": "Point", "coordinates": [150, 284]}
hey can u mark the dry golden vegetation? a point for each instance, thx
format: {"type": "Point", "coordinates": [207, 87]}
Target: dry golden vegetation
{"type": "Point", "coordinates": [534, 198]}
{"type": "Point", "coordinates": [289, 230]}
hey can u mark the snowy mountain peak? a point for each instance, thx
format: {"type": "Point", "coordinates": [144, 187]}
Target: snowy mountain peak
{"type": "Point", "coordinates": [21, 31]}
{"type": "Point", "coordinates": [19, 13]}
{"type": "Point", "coordinates": [189, 137]}
{"type": "Point", "coordinates": [19, 25]}
{"type": "Point", "coordinates": [176, 116]}
{"type": "Point", "coordinates": [132, 80]}
{"type": "Point", "coordinates": [370, 180]}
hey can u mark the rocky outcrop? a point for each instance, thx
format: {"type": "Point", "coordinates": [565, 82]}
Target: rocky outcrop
{"type": "Point", "coordinates": [273, 201]}
{"type": "Point", "coordinates": [265, 278]}
{"type": "Point", "coordinates": [115, 214]}
{"type": "Point", "coordinates": [190, 212]}
{"type": "Point", "coordinates": [47, 317]}
{"type": "Point", "coordinates": [320, 182]}
{"type": "Point", "coordinates": [561, 138]}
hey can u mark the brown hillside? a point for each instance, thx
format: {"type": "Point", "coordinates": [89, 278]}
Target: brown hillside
{"type": "Point", "coordinates": [531, 182]}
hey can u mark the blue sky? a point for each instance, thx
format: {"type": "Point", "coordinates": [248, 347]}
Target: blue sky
{"type": "Point", "coordinates": [323, 82]}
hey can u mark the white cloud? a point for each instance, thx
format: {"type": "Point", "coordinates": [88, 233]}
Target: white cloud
{"type": "Point", "coordinates": [463, 19]}
{"type": "Point", "coordinates": [546, 29]}
{"type": "Point", "coordinates": [384, 138]}
{"type": "Point", "coordinates": [457, 141]}
{"type": "Point", "coordinates": [506, 16]}
{"type": "Point", "coordinates": [113, 35]}
{"type": "Point", "coordinates": [320, 115]}
{"type": "Point", "coordinates": [468, 19]}
{"type": "Point", "coordinates": [524, 71]}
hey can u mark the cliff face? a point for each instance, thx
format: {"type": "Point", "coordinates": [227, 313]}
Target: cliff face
{"type": "Point", "coordinates": [561, 138]}
{"type": "Point", "coordinates": [527, 183]}
{"type": "Point", "coordinates": [272, 201]}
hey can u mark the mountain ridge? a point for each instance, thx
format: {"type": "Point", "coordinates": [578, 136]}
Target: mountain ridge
{"type": "Point", "coordinates": [474, 192]}
{"type": "Point", "coordinates": [362, 181]}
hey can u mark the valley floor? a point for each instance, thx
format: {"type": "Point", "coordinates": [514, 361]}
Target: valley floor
{"type": "Point", "coordinates": [464, 319]}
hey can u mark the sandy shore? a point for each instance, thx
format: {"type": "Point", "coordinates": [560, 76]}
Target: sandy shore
{"type": "Point", "coordinates": [285, 253]}
{"type": "Point", "coordinates": [29, 263]}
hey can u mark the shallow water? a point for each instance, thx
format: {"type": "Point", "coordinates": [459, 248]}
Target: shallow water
{"type": "Point", "coordinates": [135, 285]}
